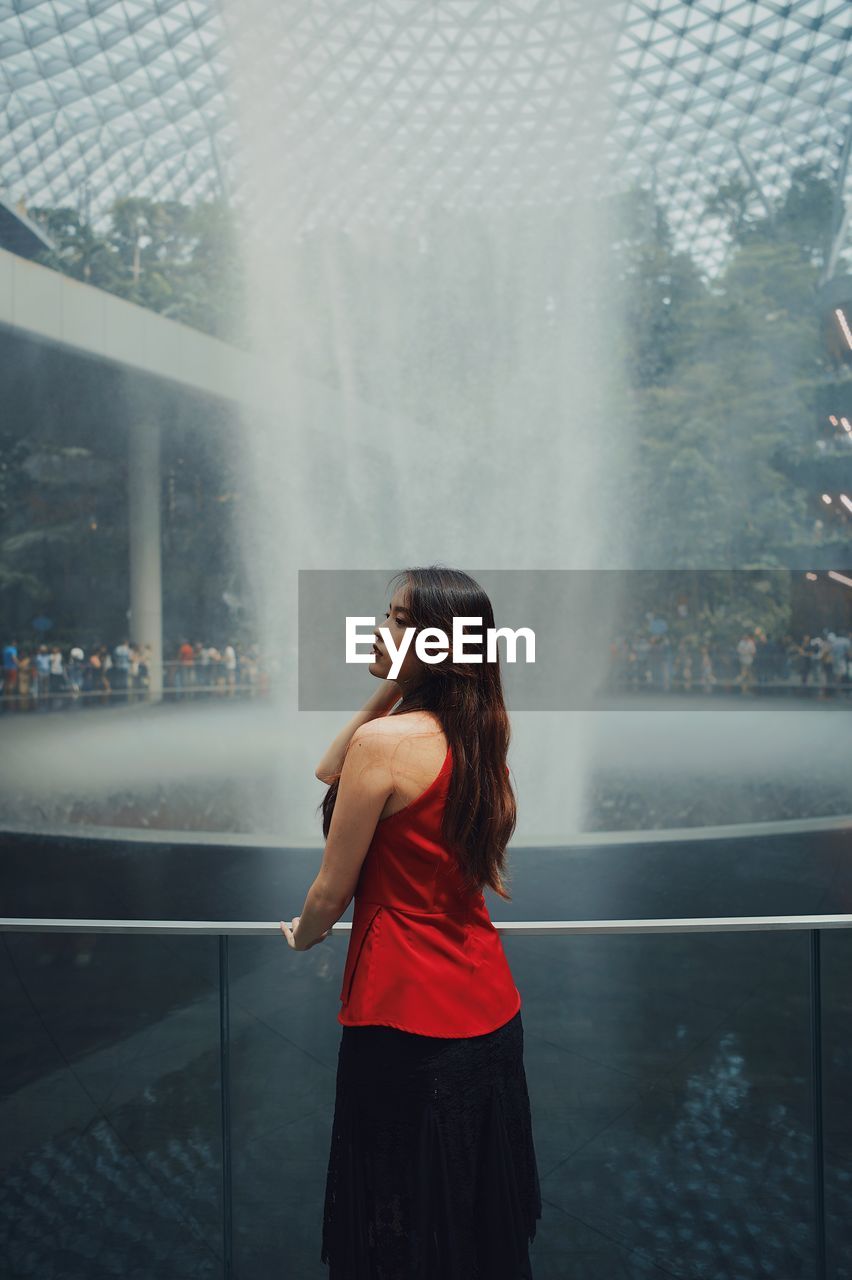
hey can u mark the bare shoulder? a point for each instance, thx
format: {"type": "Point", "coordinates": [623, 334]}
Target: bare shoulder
{"type": "Point", "coordinates": [376, 741]}
{"type": "Point", "coordinates": [370, 739]}
{"type": "Point", "coordinates": [384, 736]}
{"type": "Point", "coordinates": [405, 751]}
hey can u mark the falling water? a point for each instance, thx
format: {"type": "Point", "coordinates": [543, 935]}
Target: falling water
{"type": "Point", "coordinates": [437, 326]}
{"type": "Point", "coordinates": [439, 354]}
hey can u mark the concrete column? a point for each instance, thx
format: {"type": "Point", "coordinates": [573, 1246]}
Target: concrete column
{"type": "Point", "coordinates": [146, 593]}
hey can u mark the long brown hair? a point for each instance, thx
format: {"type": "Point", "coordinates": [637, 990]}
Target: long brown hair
{"type": "Point", "coordinates": [467, 700]}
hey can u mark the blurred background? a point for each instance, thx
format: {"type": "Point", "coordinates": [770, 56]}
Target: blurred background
{"type": "Point", "coordinates": [541, 285]}
{"type": "Point", "coordinates": [557, 287]}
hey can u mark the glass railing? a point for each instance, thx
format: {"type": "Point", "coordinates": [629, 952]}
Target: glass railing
{"type": "Point", "coordinates": [168, 1086]}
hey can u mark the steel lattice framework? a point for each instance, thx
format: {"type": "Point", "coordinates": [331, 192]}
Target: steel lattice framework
{"type": "Point", "coordinates": [480, 101]}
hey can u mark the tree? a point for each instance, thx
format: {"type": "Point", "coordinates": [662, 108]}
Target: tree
{"type": "Point", "coordinates": [180, 260]}
{"type": "Point", "coordinates": [742, 386]}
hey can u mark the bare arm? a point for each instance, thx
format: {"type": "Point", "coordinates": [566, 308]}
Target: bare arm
{"type": "Point", "coordinates": [379, 704]}
{"type": "Point", "coordinates": [366, 781]}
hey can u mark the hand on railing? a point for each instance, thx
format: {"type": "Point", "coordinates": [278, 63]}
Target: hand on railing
{"type": "Point", "coordinates": [289, 932]}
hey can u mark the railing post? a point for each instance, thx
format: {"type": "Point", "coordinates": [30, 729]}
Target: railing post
{"type": "Point", "coordinates": [816, 1094]}
{"type": "Point", "coordinates": [225, 1087]}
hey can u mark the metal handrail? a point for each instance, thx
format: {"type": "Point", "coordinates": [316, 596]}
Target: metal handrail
{"type": "Point", "coordinates": [241, 928]}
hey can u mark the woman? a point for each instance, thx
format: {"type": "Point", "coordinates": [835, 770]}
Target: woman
{"type": "Point", "coordinates": [432, 1170]}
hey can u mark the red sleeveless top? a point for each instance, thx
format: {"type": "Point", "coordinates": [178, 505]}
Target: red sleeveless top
{"type": "Point", "coordinates": [423, 954]}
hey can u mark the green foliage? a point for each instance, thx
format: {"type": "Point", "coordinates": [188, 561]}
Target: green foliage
{"type": "Point", "coordinates": [180, 260]}
{"type": "Point", "coordinates": [738, 392]}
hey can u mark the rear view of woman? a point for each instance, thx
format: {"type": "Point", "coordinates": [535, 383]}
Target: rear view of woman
{"type": "Point", "coordinates": [432, 1171]}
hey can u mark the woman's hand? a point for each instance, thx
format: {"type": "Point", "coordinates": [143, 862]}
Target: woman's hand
{"type": "Point", "coordinates": [386, 696]}
{"type": "Point", "coordinates": [289, 931]}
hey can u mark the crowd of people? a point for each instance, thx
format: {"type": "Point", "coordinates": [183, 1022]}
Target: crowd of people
{"type": "Point", "coordinates": [48, 677]}
{"type": "Point", "coordinates": [651, 658]}
{"type": "Point", "coordinates": [42, 676]}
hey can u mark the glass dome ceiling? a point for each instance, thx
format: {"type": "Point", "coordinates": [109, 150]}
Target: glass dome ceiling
{"type": "Point", "coordinates": [462, 102]}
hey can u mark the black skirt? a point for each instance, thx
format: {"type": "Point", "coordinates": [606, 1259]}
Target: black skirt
{"type": "Point", "coordinates": [432, 1173]}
